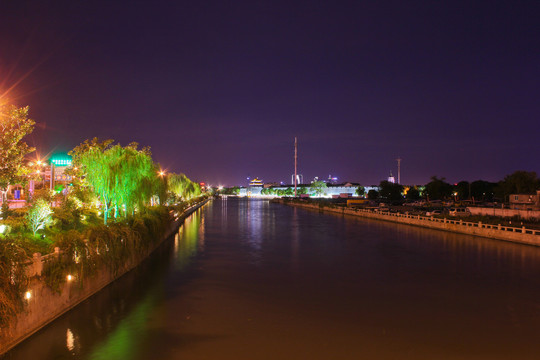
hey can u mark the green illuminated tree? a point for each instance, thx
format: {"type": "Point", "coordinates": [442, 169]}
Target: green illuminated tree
{"type": "Point", "coordinates": [124, 178]}
{"type": "Point", "coordinates": [193, 190]}
{"type": "Point", "coordinates": [39, 215]}
{"type": "Point", "coordinates": [318, 188]}
{"type": "Point", "coordinates": [14, 126]}
{"type": "Point", "coordinates": [360, 191]}
{"type": "Point", "coordinates": [182, 187]}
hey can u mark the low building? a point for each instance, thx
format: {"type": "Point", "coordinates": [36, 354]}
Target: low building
{"type": "Point", "coordinates": [256, 182]}
{"type": "Point", "coordinates": [340, 190]}
{"type": "Point", "coordinates": [525, 201]}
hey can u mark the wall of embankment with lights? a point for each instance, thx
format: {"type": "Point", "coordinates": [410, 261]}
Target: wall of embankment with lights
{"type": "Point", "coordinates": [43, 304]}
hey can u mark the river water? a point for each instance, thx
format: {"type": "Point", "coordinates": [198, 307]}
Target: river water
{"type": "Point", "coordinates": [255, 280]}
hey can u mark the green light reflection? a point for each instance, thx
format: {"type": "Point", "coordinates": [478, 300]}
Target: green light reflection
{"type": "Point", "coordinates": [126, 340]}
{"type": "Point", "coordinates": [187, 240]}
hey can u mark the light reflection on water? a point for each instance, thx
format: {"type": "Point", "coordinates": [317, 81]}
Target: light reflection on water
{"type": "Point", "coordinates": [254, 280]}
{"type": "Point", "coordinates": [189, 240]}
{"type": "Point", "coordinates": [70, 340]}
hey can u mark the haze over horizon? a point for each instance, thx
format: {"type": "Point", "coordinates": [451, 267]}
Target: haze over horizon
{"type": "Point", "coordinates": [220, 90]}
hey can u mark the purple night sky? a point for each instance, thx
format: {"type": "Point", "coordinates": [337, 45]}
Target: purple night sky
{"type": "Point", "coordinates": [219, 89]}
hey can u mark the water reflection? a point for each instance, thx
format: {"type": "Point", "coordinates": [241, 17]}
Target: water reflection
{"type": "Point", "coordinates": [257, 226]}
{"type": "Point", "coordinates": [189, 240]}
{"type": "Point", "coordinates": [70, 341]}
{"type": "Point", "coordinates": [125, 338]}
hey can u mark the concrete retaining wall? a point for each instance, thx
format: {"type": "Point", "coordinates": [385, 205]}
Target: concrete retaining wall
{"type": "Point", "coordinates": [509, 213]}
{"type": "Point", "coordinates": [517, 235]}
{"type": "Point", "coordinates": [43, 305]}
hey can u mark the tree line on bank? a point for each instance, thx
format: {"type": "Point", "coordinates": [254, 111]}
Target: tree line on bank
{"type": "Point", "coordinates": [519, 182]}
{"type": "Point", "coordinates": [110, 181]}
{"type": "Point", "coordinates": [119, 180]}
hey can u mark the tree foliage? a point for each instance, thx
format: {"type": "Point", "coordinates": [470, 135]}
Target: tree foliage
{"type": "Point", "coordinates": [235, 190]}
{"type": "Point", "coordinates": [373, 194]}
{"type": "Point", "coordinates": [438, 189]}
{"type": "Point", "coordinates": [390, 191]}
{"type": "Point", "coordinates": [318, 188]}
{"type": "Point", "coordinates": [39, 215]}
{"type": "Point", "coordinates": [413, 193]}
{"type": "Point", "coordinates": [482, 190]}
{"type": "Point", "coordinates": [14, 126]}
{"type": "Point", "coordinates": [519, 182]}
{"type": "Point", "coordinates": [463, 189]}
{"type": "Point", "coordinates": [124, 178]}
{"type": "Point", "coordinates": [182, 187]}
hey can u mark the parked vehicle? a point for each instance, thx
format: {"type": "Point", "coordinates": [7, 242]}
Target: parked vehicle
{"type": "Point", "coordinates": [433, 212]}
{"type": "Point", "coordinates": [459, 212]}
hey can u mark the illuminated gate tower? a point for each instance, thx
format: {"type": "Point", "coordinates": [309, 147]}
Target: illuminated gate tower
{"type": "Point", "coordinates": [59, 163]}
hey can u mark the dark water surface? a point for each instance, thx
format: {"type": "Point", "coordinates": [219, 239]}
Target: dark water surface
{"type": "Point", "coordinates": [254, 280]}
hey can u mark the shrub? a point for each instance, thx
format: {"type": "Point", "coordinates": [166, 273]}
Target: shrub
{"type": "Point", "coordinates": [39, 215]}
{"type": "Point", "coordinates": [13, 280]}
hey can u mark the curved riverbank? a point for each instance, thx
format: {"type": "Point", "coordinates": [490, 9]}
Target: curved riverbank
{"type": "Point", "coordinates": [498, 232]}
{"type": "Point", "coordinates": [43, 305]}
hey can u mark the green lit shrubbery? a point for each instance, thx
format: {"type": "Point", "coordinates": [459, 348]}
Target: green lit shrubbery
{"type": "Point", "coordinates": [13, 280]}
{"type": "Point", "coordinates": [110, 246]}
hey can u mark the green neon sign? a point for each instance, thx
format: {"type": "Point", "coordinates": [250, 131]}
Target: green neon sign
{"type": "Point", "coordinates": [61, 160]}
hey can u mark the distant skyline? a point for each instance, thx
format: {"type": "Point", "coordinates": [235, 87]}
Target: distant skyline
{"type": "Point", "coordinates": [219, 90]}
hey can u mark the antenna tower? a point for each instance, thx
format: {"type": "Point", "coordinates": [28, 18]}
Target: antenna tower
{"type": "Point", "coordinates": [295, 163]}
{"type": "Point", "coordinates": [398, 170]}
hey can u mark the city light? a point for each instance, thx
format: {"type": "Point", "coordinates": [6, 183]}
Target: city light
{"type": "Point", "coordinates": [28, 295]}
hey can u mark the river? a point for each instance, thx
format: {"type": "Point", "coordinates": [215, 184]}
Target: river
{"type": "Point", "coordinates": [249, 279]}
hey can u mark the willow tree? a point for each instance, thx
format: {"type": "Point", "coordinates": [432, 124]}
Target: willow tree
{"type": "Point", "coordinates": [124, 178]}
{"type": "Point", "coordinates": [182, 187]}
{"type": "Point", "coordinates": [14, 126]}
{"type": "Point", "coordinates": [192, 190]}
{"type": "Point", "coordinates": [135, 177]}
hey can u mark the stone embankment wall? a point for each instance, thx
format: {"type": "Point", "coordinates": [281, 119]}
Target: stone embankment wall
{"type": "Point", "coordinates": [44, 305]}
{"type": "Point", "coordinates": [510, 213]}
{"type": "Point", "coordinates": [513, 234]}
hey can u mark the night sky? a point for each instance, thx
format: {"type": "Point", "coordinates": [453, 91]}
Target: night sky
{"type": "Point", "coordinates": [219, 89]}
